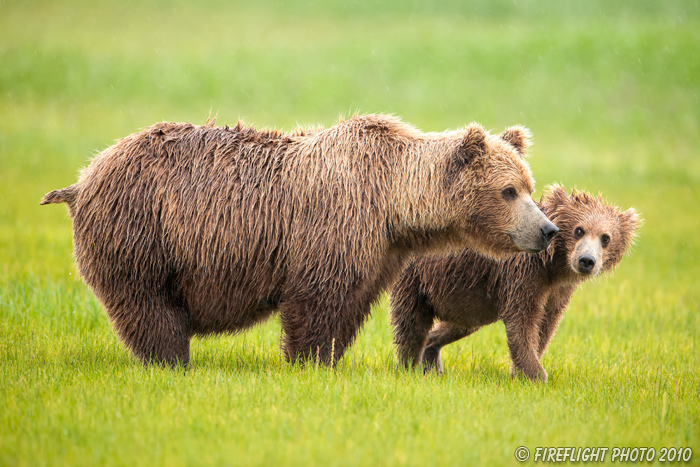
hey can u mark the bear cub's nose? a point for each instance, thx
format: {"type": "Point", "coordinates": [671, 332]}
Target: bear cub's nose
{"type": "Point", "coordinates": [548, 232]}
{"type": "Point", "coordinates": [586, 263]}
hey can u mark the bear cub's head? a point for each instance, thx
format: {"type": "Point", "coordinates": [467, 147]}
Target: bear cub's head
{"type": "Point", "coordinates": [593, 235]}
{"type": "Point", "coordinates": [502, 218]}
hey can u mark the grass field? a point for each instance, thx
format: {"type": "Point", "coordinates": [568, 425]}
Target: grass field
{"type": "Point", "coordinates": [612, 95]}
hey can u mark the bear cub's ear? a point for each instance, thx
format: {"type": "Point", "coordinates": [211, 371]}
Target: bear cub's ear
{"type": "Point", "coordinates": [554, 197]}
{"type": "Point", "coordinates": [473, 145]}
{"type": "Point", "coordinates": [630, 221]}
{"type": "Point", "coordinates": [518, 137]}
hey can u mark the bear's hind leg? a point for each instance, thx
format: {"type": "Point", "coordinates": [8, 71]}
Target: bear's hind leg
{"type": "Point", "coordinates": [441, 334]}
{"type": "Point", "coordinates": [155, 329]}
{"type": "Point", "coordinates": [412, 317]}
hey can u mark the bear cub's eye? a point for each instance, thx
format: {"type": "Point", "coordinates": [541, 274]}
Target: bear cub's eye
{"type": "Point", "coordinates": [605, 239]}
{"type": "Point", "coordinates": [579, 232]}
{"type": "Point", "coordinates": [509, 193]}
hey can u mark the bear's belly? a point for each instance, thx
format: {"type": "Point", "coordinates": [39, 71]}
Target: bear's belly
{"type": "Point", "coordinates": [228, 306]}
{"type": "Point", "coordinates": [469, 309]}
{"type": "Point", "coordinates": [227, 318]}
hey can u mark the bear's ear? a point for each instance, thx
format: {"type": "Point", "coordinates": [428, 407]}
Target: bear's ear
{"type": "Point", "coordinates": [554, 197]}
{"type": "Point", "coordinates": [473, 145]}
{"type": "Point", "coordinates": [630, 221]}
{"type": "Point", "coordinates": [518, 137]}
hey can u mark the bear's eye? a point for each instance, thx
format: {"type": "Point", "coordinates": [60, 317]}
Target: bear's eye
{"type": "Point", "coordinates": [605, 239]}
{"type": "Point", "coordinates": [509, 193]}
{"type": "Point", "coordinates": [579, 232]}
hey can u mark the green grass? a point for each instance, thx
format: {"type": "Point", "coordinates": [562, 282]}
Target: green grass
{"type": "Point", "coordinates": [611, 93]}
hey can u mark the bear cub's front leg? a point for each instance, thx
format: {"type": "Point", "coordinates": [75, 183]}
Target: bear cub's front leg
{"type": "Point", "coordinates": [523, 346]}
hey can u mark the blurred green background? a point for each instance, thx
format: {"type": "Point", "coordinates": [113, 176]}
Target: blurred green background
{"type": "Point", "coordinates": [610, 91]}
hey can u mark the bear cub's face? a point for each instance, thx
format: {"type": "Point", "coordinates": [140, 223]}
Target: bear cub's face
{"type": "Point", "coordinates": [593, 235]}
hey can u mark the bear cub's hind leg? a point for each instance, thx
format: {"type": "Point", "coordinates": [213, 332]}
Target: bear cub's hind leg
{"type": "Point", "coordinates": [412, 317]}
{"type": "Point", "coordinates": [441, 334]}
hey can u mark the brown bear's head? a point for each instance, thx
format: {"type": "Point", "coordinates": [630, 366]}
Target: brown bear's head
{"type": "Point", "coordinates": [593, 235]}
{"type": "Point", "coordinates": [501, 217]}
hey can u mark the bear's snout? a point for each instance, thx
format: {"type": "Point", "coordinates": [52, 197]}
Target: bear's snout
{"type": "Point", "coordinates": [587, 257]}
{"type": "Point", "coordinates": [547, 233]}
{"type": "Point", "coordinates": [532, 231]}
{"type": "Point", "coordinates": [586, 263]}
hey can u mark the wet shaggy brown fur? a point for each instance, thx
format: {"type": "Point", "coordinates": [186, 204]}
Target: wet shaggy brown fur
{"type": "Point", "coordinates": [529, 293]}
{"type": "Point", "coordinates": [185, 230]}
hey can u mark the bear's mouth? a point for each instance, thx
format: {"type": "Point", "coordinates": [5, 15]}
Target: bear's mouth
{"type": "Point", "coordinates": [583, 272]}
{"type": "Point", "coordinates": [520, 247]}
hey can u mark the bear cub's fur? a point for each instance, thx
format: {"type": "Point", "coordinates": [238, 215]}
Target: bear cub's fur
{"type": "Point", "coordinates": [529, 293]}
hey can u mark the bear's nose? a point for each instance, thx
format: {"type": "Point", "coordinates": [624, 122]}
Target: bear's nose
{"type": "Point", "coordinates": [586, 262]}
{"type": "Point", "coordinates": [548, 232]}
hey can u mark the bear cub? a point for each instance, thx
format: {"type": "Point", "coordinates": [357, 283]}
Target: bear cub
{"type": "Point", "coordinates": [529, 293]}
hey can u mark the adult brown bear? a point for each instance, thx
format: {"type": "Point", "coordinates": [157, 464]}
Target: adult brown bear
{"type": "Point", "coordinates": [185, 230]}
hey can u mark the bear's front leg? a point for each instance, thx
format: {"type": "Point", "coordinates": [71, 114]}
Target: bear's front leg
{"type": "Point", "coordinates": [523, 347]}
{"type": "Point", "coordinates": [314, 331]}
{"type": "Point", "coordinates": [554, 310]}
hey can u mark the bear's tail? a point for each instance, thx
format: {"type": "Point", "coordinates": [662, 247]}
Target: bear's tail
{"type": "Point", "coordinates": [64, 195]}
